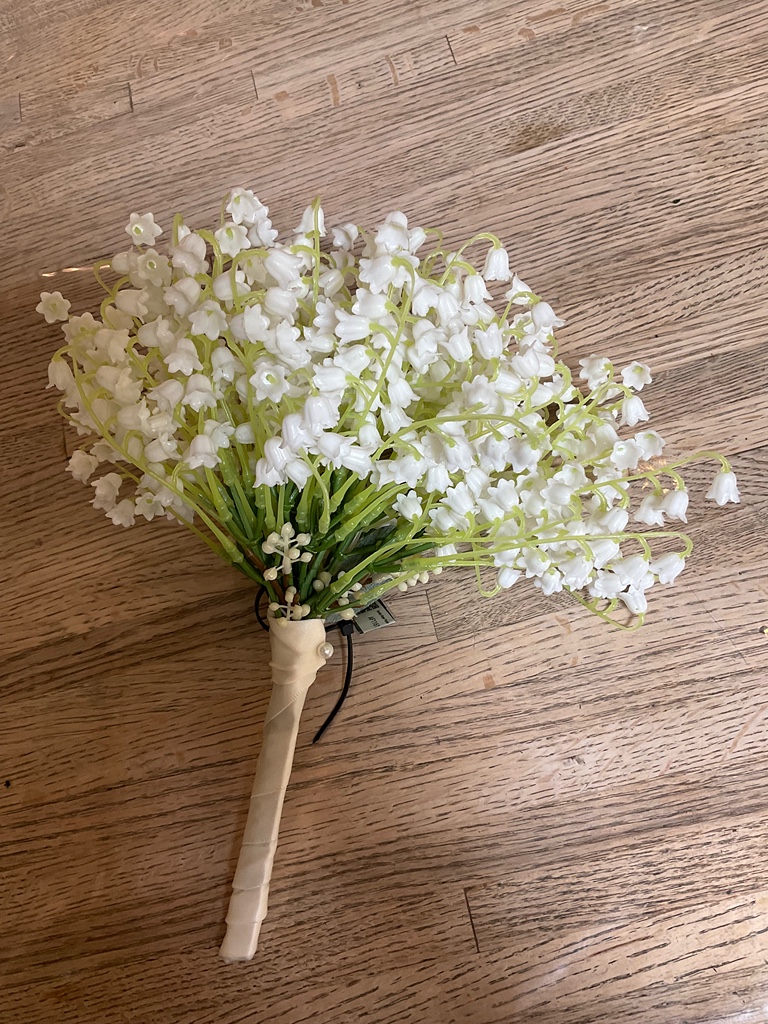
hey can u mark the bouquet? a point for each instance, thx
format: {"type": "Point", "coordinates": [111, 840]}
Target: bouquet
{"type": "Point", "coordinates": [340, 414]}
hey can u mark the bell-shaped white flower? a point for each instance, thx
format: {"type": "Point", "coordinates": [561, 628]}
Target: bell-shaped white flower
{"type": "Point", "coordinates": [245, 208]}
{"type": "Point", "coordinates": [53, 306]}
{"type": "Point", "coordinates": [544, 317]}
{"type": "Point", "coordinates": [232, 238]}
{"type": "Point", "coordinates": [284, 268]}
{"type": "Point", "coordinates": [82, 465]}
{"type": "Point", "coordinates": [168, 394]}
{"type": "Point", "coordinates": [184, 358]}
{"type": "Point", "coordinates": [142, 229]}
{"type": "Point", "coordinates": [724, 488]}
{"type": "Point", "coordinates": [496, 266]}
{"type": "Point", "coordinates": [650, 443]}
{"type": "Point", "coordinates": [183, 296]}
{"type": "Point", "coordinates": [307, 223]}
{"type": "Point", "coordinates": [219, 433]}
{"type": "Point", "coordinates": [209, 320]}
{"type": "Point", "coordinates": [225, 289]}
{"type": "Point", "coordinates": [345, 236]}
{"type": "Point", "coordinates": [409, 506]}
{"type": "Point", "coordinates": [668, 567]}
{"type": "Point", "coordinates": [651, 510]}
{"type": "Point", "coordinates": [106, 489]}
{"type": "Point", "coordinates": [626, 455]}
{"type": "Point", "coordinates": [269, 380]}
{"type": "Point", "coordinates": [675, 505]}
{"type": "Point", "coordinates": [489, 343]}
{"type": "Point", "coordinates": [189, 255]}
{"type": "Point", "coordinates": [198, 393]}
{"type": "Point", "coordinates": [152, 268]}
{"type": "Point", "coordinates": [595, 370]}
{"type": "Point", "coordinates": [507, 577]}
{"type": "Point", "coordinates": [635, 600]}
{"type": "Point", "coordinates": [636, 376]}
{"type": "Point", "coordinates": [633, 411]}
{"type": "Point", "coordinates": [631, 570]}
{"type": "Point", "coordinates": [202, 453]}
{"type": "Point", "coordinates": [123, 514]}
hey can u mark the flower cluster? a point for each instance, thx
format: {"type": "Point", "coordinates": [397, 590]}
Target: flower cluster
{"type": "Point", "coordinates": [342, 413]}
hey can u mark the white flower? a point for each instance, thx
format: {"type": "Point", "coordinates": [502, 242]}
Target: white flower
{"type": "Point", "coordinates": [507, 577]}
{"type": "Point", "coordinates": [544, 317]}
{"type": "Point", "coordinates": [225, 366]}
{"type": "Point", "coordinates": [202, 452]}
{"type": "Point", "coordinates": [106, 491]}
{"type": "Point", "coordinates": [408, 505]}
{"type": "Point", "coordinates": [519, 294]}
{"type": "Point", "coordinates": [123, 514]}
{"type": "Point", "coordinates": [261, 233]}
{"type": "Point", "coordinates": [496, 267]}
{"type": "Point", "coordinates": [626, 455]}
{"type": "Point", "coordinates": [636, 376]}
{"type": "Point", "coordinates": [142, 229]}
{"type": "Point", "coordinates": [60, 376]}
{"type": "Point", "coordinates": [489, 343]}
{"type": "Point", "coordinates": [245, 208]}
{"type": "Point", "coordinates": [724, 488]}
{"type": "Point", "coordinates": [132, 301]}
{"type": "Point", "coordinates": [198, 393]}
{"type": "Point", "coordinates": [650, 443]}
{"type": "Point", "coordinates": [651, 510]}
{"type": "Point", "coordinates": [330, 379]}
{"type": "Point", "coordinates": [224, 289]}
{"type": "Point", "coordinates": [232, 239]}
{"type": "Point", "coordinates": [189, 255]}
{"type": "Point", "coordinates": [635, 600]}
{"type": "Point", "coordinates": [281, 302]}
{"type": "Point", "coordinates": [307, 223]}
{"type": "Point", "coordinates": [345, 236]}
{"type": "Point", "coordinates": [320, 413]}
{"type": "Point", "coordinates": [378, 273]}
{"type": "Point", "coordinates": [606, 585]}
{"type": "Point", "coordinates": [184, 358]}
{"type": "Point", "coordinates": [244, 433]}
{"type": "Point", "coordinates": [668, 567]}
{"type": "Point", "coordinates": [53, 306]}
{"type": "Point", "coordinates": [633, 411]}
{"type": "Point", "coordinates": [183, 296]}
{"type": "Point", "coordinates": [595, 370]}
{"type": "Point", "coordinates": [631, 570]}
{"type": "Point", "coordinates": [168, 394]}
{"type": "Point", "coordinates": [675, 505]}
{"type": "Point", "coordinates": [209, 320]}
{"type": "Point", "coordinates": [284, 267]}
{"type": "Point", "coordinates": [219, 433]}
{"type": "Point", "coordinates": [82, 465]}
{"type": "Point", "coordinates": [157, 334]}
{"type": "Point", "coordinates": [269, 380]}
{"type": "Point", "coordinates": [152, 268]}
{"type": "Point", "coordinates": [350, 327]}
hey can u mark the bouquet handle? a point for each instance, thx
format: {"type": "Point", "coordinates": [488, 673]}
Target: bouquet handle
{"type": "Point", "coordinates": [296, 658]}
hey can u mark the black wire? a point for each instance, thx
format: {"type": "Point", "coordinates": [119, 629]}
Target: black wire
{"type": "Point", "coordinates": [256, 607]}
{"type": "Point", "coordinates": [347, 632]}
{"type": "Point", "coordinates": [346, 628]}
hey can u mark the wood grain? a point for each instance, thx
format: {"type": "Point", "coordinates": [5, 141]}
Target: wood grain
{"type": "Point", "coordinates": [521, 815]}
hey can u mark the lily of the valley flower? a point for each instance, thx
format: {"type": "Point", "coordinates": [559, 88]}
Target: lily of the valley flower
{"type": "Point", "coordinates": [263, 391]}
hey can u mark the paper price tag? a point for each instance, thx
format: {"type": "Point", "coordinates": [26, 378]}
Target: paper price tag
{"type": "Point", "coordinates": [374, 616]}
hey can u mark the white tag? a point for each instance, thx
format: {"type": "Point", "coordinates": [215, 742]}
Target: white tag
{"type": "Point", "coordinates": [374, 616]}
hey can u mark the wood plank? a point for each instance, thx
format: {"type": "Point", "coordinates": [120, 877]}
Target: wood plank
{"type": "Point", "coordinates": [520, 815]}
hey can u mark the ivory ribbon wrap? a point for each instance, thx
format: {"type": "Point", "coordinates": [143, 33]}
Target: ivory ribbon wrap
{"type": "Point", "coordinates": [295, 660]}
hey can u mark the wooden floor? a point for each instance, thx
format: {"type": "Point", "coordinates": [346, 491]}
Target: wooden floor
{"type": "Point", "coordinates": [521, 816]}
